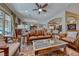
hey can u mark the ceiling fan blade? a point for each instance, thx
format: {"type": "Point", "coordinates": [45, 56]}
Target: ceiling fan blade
{"type": "Point", "coordinates": [40, 6]}
{"type": "Point", "coordinates": [37, 4]}
{"type": "Point", "coordinates": [45, 5]}
{"type": "Point", "coordinates": [44, 10]}
{"type": "Point", "coordinates": [35, 9]}
{"type": "Point", "coordinates": [39, 12]}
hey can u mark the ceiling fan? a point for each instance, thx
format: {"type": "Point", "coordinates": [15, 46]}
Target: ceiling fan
{"type": "Point", "coordinates": [41, 8]}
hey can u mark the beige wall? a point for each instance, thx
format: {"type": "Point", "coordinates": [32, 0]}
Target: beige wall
{"type": "Point", "coordinates": [62, 16]}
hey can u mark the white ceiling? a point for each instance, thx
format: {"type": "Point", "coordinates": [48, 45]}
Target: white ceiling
{"type": "Point", "coordinates": [25, 10]}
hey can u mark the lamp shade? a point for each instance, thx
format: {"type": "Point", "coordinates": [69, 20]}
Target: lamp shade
{"type": "Point", "coordinates": [21, 26]}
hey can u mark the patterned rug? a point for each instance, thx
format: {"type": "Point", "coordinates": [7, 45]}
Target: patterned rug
{"type": "Point", "coordinates": [29, 52]}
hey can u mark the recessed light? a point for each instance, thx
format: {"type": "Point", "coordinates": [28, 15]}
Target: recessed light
{"type": "Point", "coordinates": [26, 11]}
{"type": "Point", "coordinates": [45, 15]}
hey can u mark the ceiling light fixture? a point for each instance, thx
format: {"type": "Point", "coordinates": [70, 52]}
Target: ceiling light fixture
{"type": "Point", "coordinates": [40, 10]}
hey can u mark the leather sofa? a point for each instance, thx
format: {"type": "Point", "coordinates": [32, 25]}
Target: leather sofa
{"type": "Point", "coordinates": [38, 34]}
{"type": "Point", "coordinates": [72, 38]}
{"type": "Point", "coordinates": [10, 49]}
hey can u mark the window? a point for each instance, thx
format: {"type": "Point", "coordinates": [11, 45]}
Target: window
{"type": "Point", "coordinates": [5, 24]}
{"type": "Point", "coordinates": [8, 25]}
{"type": "Point", "coordinates": [1, 22]}
{"type": "Point", "coordinates": [27, 26]}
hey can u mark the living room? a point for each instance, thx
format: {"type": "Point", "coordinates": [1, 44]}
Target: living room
{"type": "Point", "coordinates": [39, 29]}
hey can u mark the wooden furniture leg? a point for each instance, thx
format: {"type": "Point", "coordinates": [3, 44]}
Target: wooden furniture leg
{"type": "Point", "coordinates": [65, 52]}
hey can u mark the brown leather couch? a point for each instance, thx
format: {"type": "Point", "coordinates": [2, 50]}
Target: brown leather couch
{"type": "Point", "coordinates": [38, 34]}
{"type": "Point", "coordinates": [73, 43]}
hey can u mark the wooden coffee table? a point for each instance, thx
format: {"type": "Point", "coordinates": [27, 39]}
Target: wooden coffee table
{"type": "Point", "coordinates": [46, 46]}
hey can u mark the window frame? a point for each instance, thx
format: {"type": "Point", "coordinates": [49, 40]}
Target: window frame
{"type": "Point", "coordinates": [5, 13]}
{"type": "Point", "coordinates": [11, 23]}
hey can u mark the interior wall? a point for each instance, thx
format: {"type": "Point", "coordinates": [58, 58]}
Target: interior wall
{"type": "Point", "coordinates": [62, 16]}
{"type": "Point", "coordinates": [75, 17]}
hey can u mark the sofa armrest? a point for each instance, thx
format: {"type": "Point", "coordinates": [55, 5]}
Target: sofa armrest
{"type": "Point", "coordinates": [13, 48]}
{"type": "Point", "coordinates": [68, 39]}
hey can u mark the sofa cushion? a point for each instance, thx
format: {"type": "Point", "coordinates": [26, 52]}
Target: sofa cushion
{"type": "Point", "coordinates": [40, 37]}
{"type": "Point", "coordinates": [40, 32]}
{"type": "Point", "coordinates": [33, 37]}
{"type": "Point", "coordinates": [31, 33]}
{"type": "Point", "coordinates": [68, 39]}
{"type": "Point", "coordinates": [12, 48]}
{"type": "Point", "coordinates": [47, 36]}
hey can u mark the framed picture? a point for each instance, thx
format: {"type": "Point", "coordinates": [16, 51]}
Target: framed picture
{"type": "Point", "coordinates": [71, 26]}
